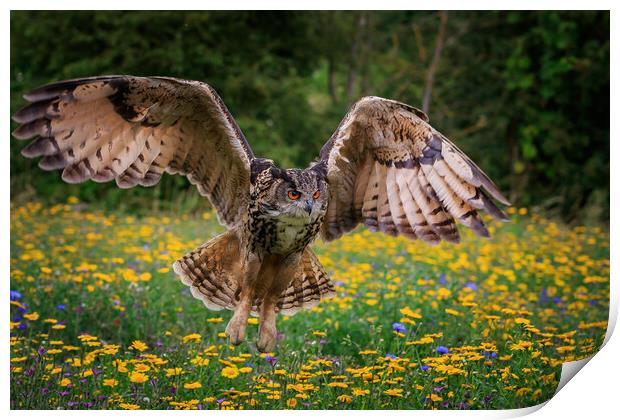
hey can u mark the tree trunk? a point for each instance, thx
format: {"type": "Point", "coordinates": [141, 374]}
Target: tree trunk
{"type": "Point", "coordinates": [353, 68]}
{"type": "Point", "coordinates": [331, 83]}
{"type": "Point", "coordinates": [366, 52]}
{"type": "Point", "coordinates": [432, 68]}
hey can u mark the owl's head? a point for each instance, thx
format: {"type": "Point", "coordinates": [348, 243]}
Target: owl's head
{"type": "Point", "coordinates": [297, 193]}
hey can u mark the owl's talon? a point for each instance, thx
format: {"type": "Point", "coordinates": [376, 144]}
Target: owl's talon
{"type": "Point", "coordinates": [266, 340]}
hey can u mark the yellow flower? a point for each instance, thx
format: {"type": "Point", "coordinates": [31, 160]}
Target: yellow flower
{"type": "Point", "coordinates": [253, 321]}
{"type": "Point", "coordinates": [192, 385]}
{"type": "Point", "coordinates": [195, 337]}
{"type": "Point", "coordinates": [318, 333]}
{"type": "Point", "coordinates": [138, 377]}
{"type": "Point", "coordinates": [359, 392]}
{"type": "Point", "coordinates": [344, 398]}
{"type": "Point", "coordinates": [110, 382]}
{"type": "Point", "coordinates": [409, 313]}
{"type": "Point", "coordinates": [141, 367]}
{"type": "Point", "coordinates": [453, 312]}
{"type": "Point", "coordinates": [337, 385]}
{"type": "Point", "coordinates": [230, 372]}
{"type": "Point", "coordinates": [371, 302]}
{"type": "Point", "coordinates": [291, 403]}
{"type": "Point", "coordinates": [394, 392]}
{"type": "Point", "coordinates": [174, 371]}
{"type": "Point", "coordinates": [127, 406]}
{"type": "Point", "coordinates": [245, 369]}
{"type": "Point", "coordinates": [443, 293]}
{"type": "Point", "coordinates": [364, 352]}
{"type": "Point", "coordinates": [215, 320]}
{"type": "Point", "coordinates": [435, 398]}
{"type": "Point", "coordinates": [32, 317]}
{"type": "Point", "coordinates": [521, 345]}
{"type": "Point", "coordinates": [65, 382]}
{"type": "Point", "coordinates": [138, 345]}
{"type": "Point", "coordinates": [145, 276]}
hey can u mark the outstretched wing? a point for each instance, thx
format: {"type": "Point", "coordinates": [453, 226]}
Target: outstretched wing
{"type": "Point", "coordinates": [132, 129]}
{"type": "Point", "coordinates": [388, 168]}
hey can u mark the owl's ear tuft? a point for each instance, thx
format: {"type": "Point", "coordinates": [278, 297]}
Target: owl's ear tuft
{"type": "Point", "coordinates": [257, 166]}
{"type": "Point", "coordinates": [280, 173]}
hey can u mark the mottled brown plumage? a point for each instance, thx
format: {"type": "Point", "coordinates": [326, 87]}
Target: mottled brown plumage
{"type": "Point", "coordinates": [384, 166]}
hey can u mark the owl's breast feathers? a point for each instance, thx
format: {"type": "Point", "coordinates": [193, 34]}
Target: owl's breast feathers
{"type": "Point", "coordinates": [282, 235]}
{"type": "Point", "coordinates": [272, 233]}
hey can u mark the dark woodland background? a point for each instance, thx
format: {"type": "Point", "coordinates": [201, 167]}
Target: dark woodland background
{"type": "Point", "coordinates": [525, 94]}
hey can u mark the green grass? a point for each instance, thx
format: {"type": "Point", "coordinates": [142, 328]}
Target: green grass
{"type": "Point", "coordinates": [509, 311]}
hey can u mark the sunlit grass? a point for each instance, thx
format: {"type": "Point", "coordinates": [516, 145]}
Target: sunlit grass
{"type": "Point", "coordinates": [98, 319]}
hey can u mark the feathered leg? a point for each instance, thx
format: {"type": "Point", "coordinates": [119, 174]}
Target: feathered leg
{"type": "Point", "coordinates": [283, 273]}
{"type": "Point", "coordinates": [235, 330]}
{"type": "Point", "coordinates": [267, 332]}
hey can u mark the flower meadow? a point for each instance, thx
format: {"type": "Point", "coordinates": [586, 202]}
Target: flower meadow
{"type": "Point", "coordinates": [100, 321]}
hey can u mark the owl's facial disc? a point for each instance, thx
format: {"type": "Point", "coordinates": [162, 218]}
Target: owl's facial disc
{"type": "Point", "coordinates": [301, 194]}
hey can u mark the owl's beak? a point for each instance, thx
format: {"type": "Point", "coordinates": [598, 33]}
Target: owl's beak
{"type": "Point", "coordinates": [308, 206]}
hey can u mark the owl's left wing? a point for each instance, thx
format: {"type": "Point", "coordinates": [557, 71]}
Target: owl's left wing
{"type": "Point", "coordinates": [388, 168]}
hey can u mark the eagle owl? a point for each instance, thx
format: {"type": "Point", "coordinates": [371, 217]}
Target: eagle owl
{"type": "Point", "coordinates": [384, 166]}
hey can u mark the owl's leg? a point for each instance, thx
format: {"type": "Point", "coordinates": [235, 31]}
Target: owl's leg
{"type": "Point", "coordinates": [235, 330]}
{"type": "Point", "coordinates": [267, 332]}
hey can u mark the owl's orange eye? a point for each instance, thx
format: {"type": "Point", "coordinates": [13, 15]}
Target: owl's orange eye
{"type": "Point", "coordinates": [316, 195]}
{"type": "Point", "coordinates": [294, 195]}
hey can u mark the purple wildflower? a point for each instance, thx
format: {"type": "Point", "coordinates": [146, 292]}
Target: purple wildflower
{"type": "Point", "coordinates": [471, 285]}
{"type": "Point", "coordinates": [391, 356]}
{"type": "Point", "coordinates": [443, 279]}
{"type": "Point", "coordinates": [272, 360]}
{"type": "Point", "coordinates": [442, 350]}
{"type": "Point", "coordinates": [399, 328]}
{"type": "Point", "coordinates": [425, 367]}
{"type": "Point", "coordinates": [15, 295]}
{"type": "Point", "coordinates": [60, 307]}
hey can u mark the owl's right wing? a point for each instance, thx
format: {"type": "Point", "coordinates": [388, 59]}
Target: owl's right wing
{"type": "Point", "coordinates": [132, 129]}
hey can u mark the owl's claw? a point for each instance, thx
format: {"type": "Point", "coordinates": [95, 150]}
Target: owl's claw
{"type": "Point", "coordinates": [235, 330]}
{"type": "Point", "coordinates": [266, 339]}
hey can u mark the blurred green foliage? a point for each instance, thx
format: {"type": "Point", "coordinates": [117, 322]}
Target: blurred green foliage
{"type": "Point", "coordinates": [525, 94]}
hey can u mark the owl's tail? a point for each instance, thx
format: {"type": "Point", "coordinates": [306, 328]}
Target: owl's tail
{"type": "Point", "coordinates": [211, 271]}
